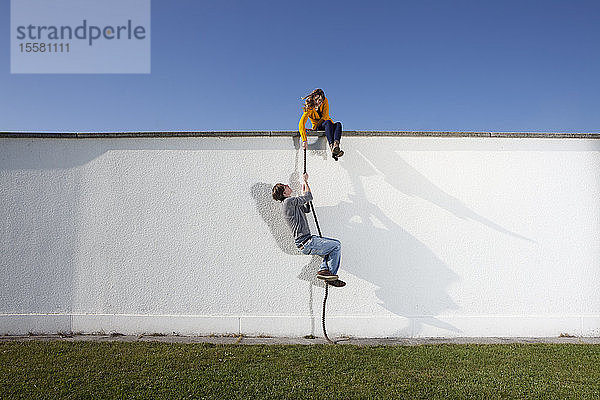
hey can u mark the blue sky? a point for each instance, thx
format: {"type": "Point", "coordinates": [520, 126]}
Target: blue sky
{"type": "Point", "coordinates": [384, 65]}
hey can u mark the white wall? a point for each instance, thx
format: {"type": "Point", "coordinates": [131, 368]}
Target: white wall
{"type": "Point", "coordinates": [440, 236]}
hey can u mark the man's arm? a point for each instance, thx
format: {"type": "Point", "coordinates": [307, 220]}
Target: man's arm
{"type": "Point", "coordinates": [306, 208]}
{"type": "Point", "coordinates": [306, 194]}
{"type": "Point", "coordinates": [305, 187]}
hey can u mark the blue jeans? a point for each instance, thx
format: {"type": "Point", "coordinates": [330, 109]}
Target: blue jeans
{"type": "Point", "coordinates": [329, 249]}
{"type": "Point", "coordinates": [332, 131]}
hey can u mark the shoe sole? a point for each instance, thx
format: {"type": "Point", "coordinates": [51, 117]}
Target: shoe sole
{"type": "Point", "coordinates": [327, 277]}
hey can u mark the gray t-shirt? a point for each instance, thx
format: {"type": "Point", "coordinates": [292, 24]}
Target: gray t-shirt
{"type": "Point", "coordinates": [294, 209]}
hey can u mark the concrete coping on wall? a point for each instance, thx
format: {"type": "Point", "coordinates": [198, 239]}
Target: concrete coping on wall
{"type": "Point", "coordinates": [175, 134]}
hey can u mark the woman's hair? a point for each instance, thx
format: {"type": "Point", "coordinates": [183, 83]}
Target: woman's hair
{"type": "Point", "coordinates": [278, 192]}
{"type": "Point", "coordinates": [309, 101]}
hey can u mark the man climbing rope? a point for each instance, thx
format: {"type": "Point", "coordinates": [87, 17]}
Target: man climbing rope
{"type": "Point", "coordinates": [294, 209]}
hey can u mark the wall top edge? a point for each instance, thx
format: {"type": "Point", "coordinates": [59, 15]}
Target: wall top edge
{"type": "Point", "coordinates": [166, 134]}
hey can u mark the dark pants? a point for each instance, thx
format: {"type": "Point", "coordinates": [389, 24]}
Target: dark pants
{"type": "Point", "coordinates": [332, 131]}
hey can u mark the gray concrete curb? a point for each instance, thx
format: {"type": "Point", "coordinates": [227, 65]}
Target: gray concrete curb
{"type": "Point", "coordinates": [229, 340]}
{"type": "Point", "coordinates": [106, 135]}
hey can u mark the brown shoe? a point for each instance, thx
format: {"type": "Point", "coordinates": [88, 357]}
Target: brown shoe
{"type": "Point", "coordinates": [333, 153]}
{"type": "Point", "coordinates": [326, 275]}
{"type": "Point", "coordinates": [336, 151]}
{"type": "Point", "coordinates": [335, 148]}
{"type": "Point", "coordinates": [337, 283]}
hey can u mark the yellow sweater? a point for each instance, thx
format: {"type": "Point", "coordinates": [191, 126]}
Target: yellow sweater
{"type": "Point", "coordinates": [316, 117]}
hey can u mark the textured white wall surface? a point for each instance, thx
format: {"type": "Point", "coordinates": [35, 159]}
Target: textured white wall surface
{"type": "Point", "coordinates": [440, 236]}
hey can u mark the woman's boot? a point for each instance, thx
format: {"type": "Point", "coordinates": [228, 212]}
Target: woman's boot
{"type": "Point", "coordinates": [335, 149]}
{"type": "Point", "coordinates": [334, 153]}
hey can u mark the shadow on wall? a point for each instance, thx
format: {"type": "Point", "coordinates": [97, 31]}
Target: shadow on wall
{"type": "Point", "coordinates": [411, 280]}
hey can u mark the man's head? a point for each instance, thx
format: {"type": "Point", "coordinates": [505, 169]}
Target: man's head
{"type": "Point", "coordinates": [281, 191]}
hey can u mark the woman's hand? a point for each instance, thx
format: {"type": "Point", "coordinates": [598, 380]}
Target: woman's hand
{"type": "Point", "coordinates": [304, 145]}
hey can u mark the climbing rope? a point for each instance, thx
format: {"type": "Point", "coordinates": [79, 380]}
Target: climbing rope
{"type": "Point", "coordinates": [312, 209]}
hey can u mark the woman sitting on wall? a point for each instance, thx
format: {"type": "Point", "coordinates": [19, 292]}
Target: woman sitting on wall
{"type": "Point", "coordinates": [316, 107]}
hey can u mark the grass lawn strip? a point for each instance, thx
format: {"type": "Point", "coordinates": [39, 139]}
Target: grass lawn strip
{"type": "Point", "coordinates": [73, 370]}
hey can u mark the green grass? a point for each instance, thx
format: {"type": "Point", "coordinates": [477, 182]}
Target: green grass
{"type": "Point", "coordinates": [65, 370]}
